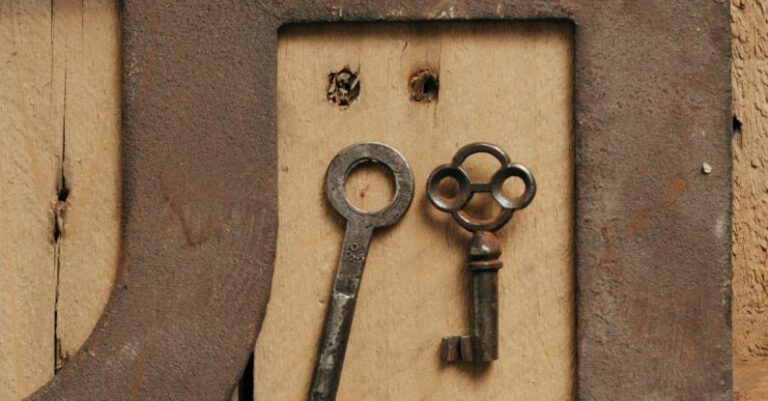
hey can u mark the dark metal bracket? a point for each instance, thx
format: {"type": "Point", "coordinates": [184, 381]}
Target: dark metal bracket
{"type": "Point", "coordinates": [652, 103]}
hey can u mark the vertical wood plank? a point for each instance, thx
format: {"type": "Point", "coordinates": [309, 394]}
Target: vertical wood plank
{"type": "Point", "coordinates": [59, 181]}
{"type": "Point", "coordinates": [30, 154]}
{"type": "Point", "coordinates": [750, 203]}
{"type": "Point", "coordinates": [507, 84]}
{"type": "Point", "coordinates": [30, 164]}
{"type": "Point", "coordinates": [87, 56]}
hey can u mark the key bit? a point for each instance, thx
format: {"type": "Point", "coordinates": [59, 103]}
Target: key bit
{"type": "Point", "coordinates": [483, 261]}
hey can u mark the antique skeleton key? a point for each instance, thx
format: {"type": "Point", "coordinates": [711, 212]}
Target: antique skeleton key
{"type": "Point", "coordinates": [354, 251]}
{"type": "Point", "coordinates": [484, 248]}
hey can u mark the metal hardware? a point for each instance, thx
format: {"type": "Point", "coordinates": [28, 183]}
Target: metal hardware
{"type": "Point", "coordinates": [484, 248]}
{"type": "Point", "coordinates": [653, 262]}
{"type": "Point", "coordinates": [354, 251]}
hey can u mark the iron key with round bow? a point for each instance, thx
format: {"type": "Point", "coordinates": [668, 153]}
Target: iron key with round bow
{"type": "Point", "coordinates": [354, 251]}
{"type": "Point", "coordinates": [484, 248]}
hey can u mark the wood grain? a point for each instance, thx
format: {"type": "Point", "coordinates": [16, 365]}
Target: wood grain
{"type": "Point", "coordinates": [29, 169]}
{"type": "Point", "coordinates": [89, 85]}
{"type": "Point", "coordinates": [38, 43]}
{"type": "Point", "coordinates": [503, 83]}
{"type": "Point", "coordinates": [59, 96]}
{"type": "Point", "coordinates": [750, 204]}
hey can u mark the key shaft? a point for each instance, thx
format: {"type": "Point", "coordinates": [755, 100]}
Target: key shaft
{"type": "Point", "coordinates": [338, 323]}
{"type": "Point", "coordinates": [483, 344]}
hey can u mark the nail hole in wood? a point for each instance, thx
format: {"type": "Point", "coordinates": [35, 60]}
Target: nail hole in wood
{"type": "Point", "coordinates": [343, 87]}
{"type": "Point", "coordinates": [424, 86]}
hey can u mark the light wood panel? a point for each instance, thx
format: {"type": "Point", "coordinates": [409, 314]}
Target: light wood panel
{"type": "Point", "coordinates": [36, 41]}
{"type": "Point", "coordinates": [750, 203]}
{"type": "Point", "coordinates": [59, 98]}
{"type": "Point", "coordinates": [30, 153]}
{"type": "Point", "coordinates": [89, 84]}
{"type": "Point", "coordinates": [507, 84]}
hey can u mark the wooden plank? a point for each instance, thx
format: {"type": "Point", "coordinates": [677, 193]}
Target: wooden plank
{"type": "Point", "coordinates": [507, 84]}
{"type": "Point", "coordinates": [750, 203]}
{"type": "Point", "coordinates": [87, 74]}
{"type": "Point", "coordinates": [751, 379]}
{"type": "Point", "coordinates": [60, 175]}
{"type": "Point", "coordinates": [30, 172]}
{"type": "Point", "coordinates": [30, 153]}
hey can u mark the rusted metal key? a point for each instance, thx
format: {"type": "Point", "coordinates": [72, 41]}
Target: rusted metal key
{"type": "Point", "coordinates": [354, 251]}
{"type": "Point", "coordinates": [484, 248]}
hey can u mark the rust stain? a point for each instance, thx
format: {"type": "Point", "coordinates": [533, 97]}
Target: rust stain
{"type": "Point", "coordinates": [644, 220]}
{"type": "Point", "coordinates": [137, 379]}
{"type": "Point", "coordinates": [195, 233]}
{"type": "Point", "coordinates": [197, 224]}
{"type": "Point", "coordinates": [673, 191]}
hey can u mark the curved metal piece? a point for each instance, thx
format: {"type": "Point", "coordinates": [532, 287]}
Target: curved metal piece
{"type": "Point", "coordinates": [479, 147]}
{"type": "Point", "coordinates": [199, 210]}
{"type": "Point", "coordinates": [513, 170]}
{"type": "Point", "coordinates": [468, 188]}
{"type": "Point", "coordinates": [462, 180]}
{"type": "Point", "coordinates": [369, 152]}
{"type": "Point", "coordinates": [199, 173]}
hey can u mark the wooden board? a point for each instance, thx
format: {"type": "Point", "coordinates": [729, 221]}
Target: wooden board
{"type": "Point", "coordinates": [29, 160]}
{"type": "Point", "coordinates": [38, 40]}
{"type": "Point", "coordinates": [59, 166]}
{"type": "Point", "coordinates": [508, 84]}
{"type": "Point", "coordinates": [88, 78]}
{"type": "Point", "coordinates": [750, 204]}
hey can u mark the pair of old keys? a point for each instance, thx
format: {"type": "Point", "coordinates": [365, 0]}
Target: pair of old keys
{"type": "Point", "coordinates": [484, 250]}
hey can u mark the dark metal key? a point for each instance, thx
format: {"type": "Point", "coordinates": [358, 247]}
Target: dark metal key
{"type": "Point", "coordinates": [354, 251]}
{"type": "Point", "coordinates": [484, 249]}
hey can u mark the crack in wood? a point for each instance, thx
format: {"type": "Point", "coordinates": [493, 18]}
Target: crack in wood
{"type": "Point", "coordinates": [60, 357]}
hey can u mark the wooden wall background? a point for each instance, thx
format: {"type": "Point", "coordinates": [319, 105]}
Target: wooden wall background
{"type": "Point", "coordinates": [414, 288]}
{"type": "Point", "coordinates": [59, 181]}
{"type": "Point", "coordinates": [59, 185]}
{"type": "Point", "coordinates": [750, 203]}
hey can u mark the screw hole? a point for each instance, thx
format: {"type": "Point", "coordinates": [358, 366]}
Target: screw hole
{"type": "Point", "coordinates": [343, 87]}
{"type": "Point", "coordinates": [424, 86]}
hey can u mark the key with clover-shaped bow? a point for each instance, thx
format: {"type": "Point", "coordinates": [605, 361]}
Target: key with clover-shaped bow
{"type": "Point", "coordinates": [484, 248]}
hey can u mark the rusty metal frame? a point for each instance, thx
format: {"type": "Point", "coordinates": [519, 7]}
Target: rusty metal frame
{"type": "Point", "coordinates": [652, 104]}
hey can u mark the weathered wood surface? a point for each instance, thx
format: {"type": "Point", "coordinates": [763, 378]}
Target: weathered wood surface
{"type": "Point", "coordinates": [39, 40]}
{"type": "Point", "coordinates": [506, 84]}
{"type": "Point", "coordinates": [750, 207]}
{"type": "Point", "coordinates": [59, 181]}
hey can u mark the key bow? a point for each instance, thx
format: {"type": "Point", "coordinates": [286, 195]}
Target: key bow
{"type": "Point", "coordinates": [467, 188]}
